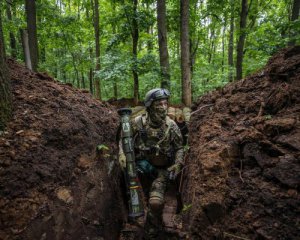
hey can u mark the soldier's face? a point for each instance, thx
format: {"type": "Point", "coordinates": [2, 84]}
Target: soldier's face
{"type": "Point", "coordinates": [162, 104]}
{"type": "Point", "coordinates": [158, 111]}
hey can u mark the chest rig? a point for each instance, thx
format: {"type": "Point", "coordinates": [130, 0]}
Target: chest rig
{"type": "Point", "coordinates": [152, 143]}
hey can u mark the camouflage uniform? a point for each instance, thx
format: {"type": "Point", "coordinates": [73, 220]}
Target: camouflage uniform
{"type": "Point", "coordinates": [158, 141]}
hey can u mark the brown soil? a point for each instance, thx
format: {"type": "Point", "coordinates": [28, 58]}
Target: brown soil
{"type": "Point", "coordinates": [241, 179]}
{"type": "Point", "coordinates": [244, 159]}
{"type": "Point", "coordinates": [53, 184]}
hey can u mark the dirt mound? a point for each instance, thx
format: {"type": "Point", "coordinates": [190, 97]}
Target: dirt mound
{"type": "Point", "coordinates": [53, 185]}
{"type": "Point", "coordinates": [244, 161]}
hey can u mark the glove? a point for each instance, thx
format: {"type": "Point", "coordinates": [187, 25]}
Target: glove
{"type": "Point", "coordinates": [174, 170]}
{"type": "Point", "coordinates": [146, 168]}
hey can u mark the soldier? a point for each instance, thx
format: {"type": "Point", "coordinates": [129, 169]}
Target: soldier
{"type": "Point", "coordinates": [159, 154]}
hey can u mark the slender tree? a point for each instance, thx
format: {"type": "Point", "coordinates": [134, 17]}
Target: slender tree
{"type": "Point", "coordinates": [90, 49]}
{"type": "Point", "coordinates": [26, 50]}
{"type": "Point", "coordinates": [32, 32]}
{"type": "Point", "coordinates": [163, 44]}
{"type": "Point", "coordinates": [223, 42]}
{"type": "Point", "coordinates": [230, 43]}
{"type": "Point", "coordinates": [185, 53]}
{"type": "Point", "coordinates": [113, 26]}
{"type": "Point", "coordinates": [5, 89]}
{"type": "Point", "coordinates": [135, 39]}
{"type": "Point", "coordinates": [12, 39]}
{"type": "Point", "coordinates": [241, 41]}
{"type": "Point", "coordinates": [91, 73]}
{"type": "Point", "coordinates": [97, 50]}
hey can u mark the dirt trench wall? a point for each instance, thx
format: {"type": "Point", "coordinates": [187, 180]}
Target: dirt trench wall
{"type": "Point", "coordinates": [244, 160]}
{"type": "Point", "coordinates": [53, 185]}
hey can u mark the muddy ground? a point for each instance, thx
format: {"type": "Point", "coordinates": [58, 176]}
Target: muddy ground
{"type": "Point", "coordinates": [53, 184]}
{"type": "Point", "coordinates": [241, 179]}
{"type": "Point", "coordinates": [243, 166]}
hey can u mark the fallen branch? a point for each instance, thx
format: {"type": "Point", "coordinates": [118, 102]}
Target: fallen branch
{"type": "Point", "coordinates": [240, 171]}
{"type": "Point", "coordinates": [207, 105]}
{"type": "Point", "coordinates": [231, 235]}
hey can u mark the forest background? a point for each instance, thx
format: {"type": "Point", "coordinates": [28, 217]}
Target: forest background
{"type": "Point", "coordinates": [121, 49]}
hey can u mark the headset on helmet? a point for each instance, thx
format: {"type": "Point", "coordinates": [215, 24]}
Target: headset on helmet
{"type": "Point", "coordinates": [155, 94]}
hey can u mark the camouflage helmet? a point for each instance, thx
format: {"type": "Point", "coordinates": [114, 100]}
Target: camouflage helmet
{"type": "Point", "coordinates": [156, 94]}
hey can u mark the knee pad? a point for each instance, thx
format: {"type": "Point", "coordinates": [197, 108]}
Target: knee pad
{"type": "Point", "coordinates": [156, 202]}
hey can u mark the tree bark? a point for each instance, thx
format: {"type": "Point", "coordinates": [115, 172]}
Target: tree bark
{"type": "Point", "coordinates": [241, 41]}
{"type": "Point", "coordinates": [211, 46]}
{"type": "Point", "coordinates": [295, 10]}
{"type": "Point", "coordinates": [294, 17]}
{"type": "Point", "coordinates": [135, 39]}
{"type": "Point", "coordinates": [32, 32]}
{"type": "Point", "coordinates": [91, 75]}
{"type": "Point", "coordinates": [5, 87]}
{"type": "Point", "coordinates": [12, 39]}
{"type": "Point", "coordinates": [223, 42]}
{"type": "Point", "coordinates": [163, 44]}
{"type": "Point", "coordinates": [2, 37]}
{"type": "Point", "coordinates": [113, 25]}
{"type": "Point", "coordinates": [185, 53]}
{"type": "Point", "coordinates": [230, 44]}
{"type": "Point", "coordinates": [26, 50]}
{"type": "Point", "coordinates": [82, 81]}
{"type": "Point", "coordinates": [97, 80]}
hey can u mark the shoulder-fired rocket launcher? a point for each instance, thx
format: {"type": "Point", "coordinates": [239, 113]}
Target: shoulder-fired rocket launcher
{"type": "Point", "coordinates": [133, 186]}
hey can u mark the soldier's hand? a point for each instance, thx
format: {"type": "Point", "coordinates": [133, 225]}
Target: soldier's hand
{"type": "Point", "coordinates": [122, 160]}
{"type": "Point", "coordinates": [174, 170]}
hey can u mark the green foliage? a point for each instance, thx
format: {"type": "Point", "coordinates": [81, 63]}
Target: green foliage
{"type": "Point", "coordinates": [67, 48]}
{"type": "Point", "coordinates": [186, 208]}
{"type": "Point", "coordinates": [102, 147]}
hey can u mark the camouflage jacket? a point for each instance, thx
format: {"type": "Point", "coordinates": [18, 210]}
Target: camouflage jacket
{"type": "Point", "coordinates": [162, 146]}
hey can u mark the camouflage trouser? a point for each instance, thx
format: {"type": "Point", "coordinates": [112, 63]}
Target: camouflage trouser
{"type": "Point", "coordinates": [154, 222]}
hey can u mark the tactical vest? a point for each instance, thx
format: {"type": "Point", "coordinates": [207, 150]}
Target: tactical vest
{"type": "Point", "coordinates": [153, 144]}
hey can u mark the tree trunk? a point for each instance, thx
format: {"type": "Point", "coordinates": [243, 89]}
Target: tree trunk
{"type": "Point", "coordinates": [113, 25]}
{"type": "Point", "coordinates": [294, 17]}
{"type": "Point", "coordinates": [32, 32]}
{"type": "Point", "coordinates": [163, 44]}
{"type": "Point", "coordinates": [241, 41]}
{"type": "Point", "coordinates": [91, 75]}
{"type": "Point", "coordinates": [26, 50]}
{"type": "Point", "coordinates": [135, 39]}
{"type": "Point", "coordinates": [2, 37]}
{"type": "Point", "coordinates": [5, 88]}
{"type": "Point", "coordinates": [211, 44]}
{"type": "Point", "coordinates": [12, 39]}
{"type": "Point", "coordinates": [97, 43]}
{"type": "Point", "coordinates": [223, 43]}
{"type": "Point", "coordinates": [230, 44]}
{"type": "Point", "coordinates": [82, 81]}
{"type": "Point", "coordinates": [185, 53]}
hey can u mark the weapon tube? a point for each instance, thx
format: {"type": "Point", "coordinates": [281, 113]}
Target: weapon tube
{"type": "Point", "coordinates": [133, 186]}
